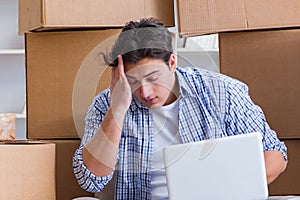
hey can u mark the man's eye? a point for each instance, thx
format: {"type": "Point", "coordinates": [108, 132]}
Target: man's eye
{"type": "Point", "coordinates": [132, 81]}
{"type": "Point", "coordinates": [153, 78]}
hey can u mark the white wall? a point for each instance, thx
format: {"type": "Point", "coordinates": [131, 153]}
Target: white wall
{"type": "Point", "coordinates": [12, 66]}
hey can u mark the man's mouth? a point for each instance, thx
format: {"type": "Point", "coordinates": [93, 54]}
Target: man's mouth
{"type": "Point", "coordinates": [151, 100]}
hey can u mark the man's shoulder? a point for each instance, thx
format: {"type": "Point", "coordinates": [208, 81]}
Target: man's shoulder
{"type": "Point", "coordinates": [104, 93]}
{"type": "Point", "coordinates": [209, 78]}
{"type": "Point", "coordinates": [102, 98]}
{"type": "Point", "coordinates": [204, 74]}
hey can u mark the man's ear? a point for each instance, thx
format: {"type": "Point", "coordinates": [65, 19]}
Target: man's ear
{"type": "Point", "coordinates": [172, 62]}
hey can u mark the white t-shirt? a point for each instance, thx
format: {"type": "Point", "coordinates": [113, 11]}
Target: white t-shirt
{"type": "Point", "coordinates": [165, 133]}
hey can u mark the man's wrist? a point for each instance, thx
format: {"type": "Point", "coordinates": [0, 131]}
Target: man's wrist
{"type": "Point", "coordinates": [103, 149]}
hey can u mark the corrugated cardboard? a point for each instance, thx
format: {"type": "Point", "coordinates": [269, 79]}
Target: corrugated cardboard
{"type": "Point", "coordinates": [198, 17]}
{"type": "Point", "coordinates": [288, 182]}
{"type": "Point", "coordinates": [57, 14]}
{"type": "Point", "coordinates": [67, 186]}
{"type": "Point", "coordinates": [269, 63]}
{"type": "Point", "coordinates": [27, 170]}
{"type": "Point", "coordinates": [64, 71]}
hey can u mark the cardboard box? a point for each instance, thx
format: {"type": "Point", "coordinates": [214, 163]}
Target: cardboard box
{"type": "Point", "coordinates": [27, 170]}
{"type": "Point", "coordinates": [288, 182]}
{"type": "Point", "coordinates": [198, 17]}
{"type": "Point", "coordinates": [56, 14]}
{"type": "Point", "coordinates": [268, 62]}
{"type": "Point", "coordinates": [67, 186]}
{"type": "Point", "coordinates": [64, 71]}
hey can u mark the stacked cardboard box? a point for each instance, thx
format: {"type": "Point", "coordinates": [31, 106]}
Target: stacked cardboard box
{"type": "Point", "coordinates": [27, 170]}
{"type": "Point", "coordinates": [268, 62]}
{"type": "Point", "coordinates": [39, 15]}
{"type": "Point", "coordinates": [259, 44]}
{"type": "Point", "coordinates": [198, 17]}
{"type": "Point", "coordinates": [64, 72]}
{"type": "Point", "coordinates": [66, 185]}
{"type": "Point", "coordinates": [65, 69]}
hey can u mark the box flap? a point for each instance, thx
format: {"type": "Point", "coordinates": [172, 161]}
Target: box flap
{"type": "Point", "coordinates": [30, 15]}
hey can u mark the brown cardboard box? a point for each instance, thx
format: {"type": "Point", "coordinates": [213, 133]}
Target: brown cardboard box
{"type": "Point", "coordinates": [198, 17]}
{"type": "Point", "coordinates": [27, 170]}
{"type": "Point", "coordinates": [268, 62]}
{"type": "Point", "coordinates": [64, 71]}
{"type": "Point", "coordinates": [67, 186]}
{"type": "Point", "coordinates": [288, 182]}
{"type": "Point", "coordinates": [57, 14]}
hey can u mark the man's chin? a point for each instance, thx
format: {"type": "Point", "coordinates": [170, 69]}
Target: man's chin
{"type": "Point", "coordinates": [154, 106]}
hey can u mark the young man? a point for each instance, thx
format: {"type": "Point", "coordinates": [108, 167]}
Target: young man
{"type": "Point", "coordinates": [151, 104]}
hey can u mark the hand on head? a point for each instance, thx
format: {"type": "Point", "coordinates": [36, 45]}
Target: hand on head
{"type": "Point", "coordinates": [120, 90]}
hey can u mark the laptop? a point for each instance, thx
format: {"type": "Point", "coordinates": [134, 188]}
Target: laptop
{"type": "Point", "coordinates": [229, 168]}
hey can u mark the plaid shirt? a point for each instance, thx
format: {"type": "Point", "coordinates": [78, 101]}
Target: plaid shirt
{"type": "Point", "coordinates": [211, 105]}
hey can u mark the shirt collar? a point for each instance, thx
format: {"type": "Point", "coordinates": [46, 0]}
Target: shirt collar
{"type": "Point", "coordinates": [184, 87]}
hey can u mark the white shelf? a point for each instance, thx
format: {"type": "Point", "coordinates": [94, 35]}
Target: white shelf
{"type": "Point", "coordinates": [12, 52]}
{"type": "Point", "coordinates": [21, 115]}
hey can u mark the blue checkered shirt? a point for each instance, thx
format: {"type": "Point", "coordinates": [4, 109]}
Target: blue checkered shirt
{"type": "Point", "coordinates": [211, 105]}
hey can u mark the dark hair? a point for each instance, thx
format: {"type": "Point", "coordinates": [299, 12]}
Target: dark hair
{"type": "Point", "coordinates": [148, 38]}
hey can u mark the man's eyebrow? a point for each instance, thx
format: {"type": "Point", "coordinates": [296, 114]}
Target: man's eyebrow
{"type": "Point", "coordinates": [151, 73]}
{"type": "Point", "coordinates": [128, 76]}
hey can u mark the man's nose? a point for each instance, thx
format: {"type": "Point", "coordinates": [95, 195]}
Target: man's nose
{"type": "Point", "coordinates": [145, 90]}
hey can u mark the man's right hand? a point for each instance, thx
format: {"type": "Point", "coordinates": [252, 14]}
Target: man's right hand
{"type": "Point", "coordinates": [100, 153]}
{"type": "Point", "coordinates": [121, 95]}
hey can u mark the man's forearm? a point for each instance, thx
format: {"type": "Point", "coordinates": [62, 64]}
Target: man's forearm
{"type": "Point", "coordinates": [275, 164]}
{"type": "Point", "coordinates": [100, 153]}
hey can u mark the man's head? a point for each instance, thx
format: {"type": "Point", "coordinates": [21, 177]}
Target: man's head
{"type": "Point", "coordinates": [148, 38]}
{"type": "Point", "coordinates": [149, 62]}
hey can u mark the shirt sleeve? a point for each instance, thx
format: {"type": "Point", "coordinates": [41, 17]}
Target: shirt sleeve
{"type": "Point", "coordinates": [86, 179]}
{"type": "Point", "coordinates": [243, 116]}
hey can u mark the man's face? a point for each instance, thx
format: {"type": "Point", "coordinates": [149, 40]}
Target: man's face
{"type": "Point", "coordinates": [152, 81]}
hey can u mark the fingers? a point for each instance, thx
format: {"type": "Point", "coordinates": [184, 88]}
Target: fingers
{"type": "Point", "coordinates": [120, 66]}
{"type": "Point", "coordinates": [118, 71]}
{"type": "Point", "coordinates": [114, 72]}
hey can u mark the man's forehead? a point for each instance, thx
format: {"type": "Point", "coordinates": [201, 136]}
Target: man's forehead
{"type": "Point", "coordinates": [143, 68]}
{"type": "Point", "coordinates": [128, 75]}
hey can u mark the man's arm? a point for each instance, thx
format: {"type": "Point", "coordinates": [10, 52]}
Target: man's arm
{"type": "Point", "coordinates": [100, 153]}
{"type": "Point", "coordinates": [275, 164]}
{"type": "Point", "coordinates": [243, 116]}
